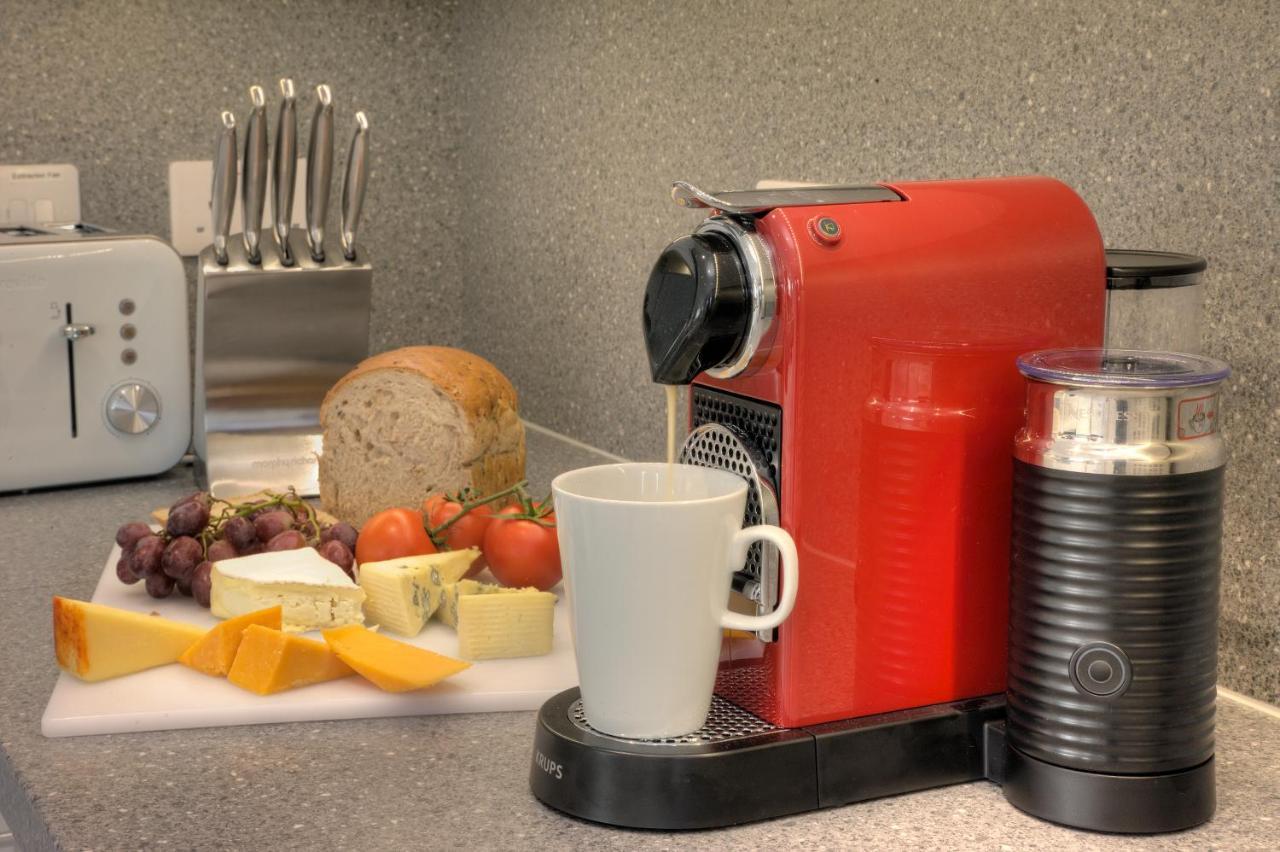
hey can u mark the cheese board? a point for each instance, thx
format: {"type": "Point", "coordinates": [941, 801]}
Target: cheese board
{"type": "Point", "coordinates": [174, 696]}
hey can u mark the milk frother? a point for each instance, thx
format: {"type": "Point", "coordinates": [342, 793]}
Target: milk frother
{"type": "Point", "coordinates": [1113, 612]}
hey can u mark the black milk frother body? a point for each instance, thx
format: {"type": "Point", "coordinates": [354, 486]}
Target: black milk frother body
{"type": "Point", "coordinates": [1114, 590]}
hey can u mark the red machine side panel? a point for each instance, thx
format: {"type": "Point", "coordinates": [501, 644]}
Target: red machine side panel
{"type": "Point", "coordinates": [900, 400]}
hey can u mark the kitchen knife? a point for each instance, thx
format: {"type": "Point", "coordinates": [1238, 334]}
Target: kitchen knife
{"type": "Point", "coordinates": [284, 170]}
{"type": "Point", "coordinates": [319, 171]}
{"type": "Point", "coordinates": [353, 185]}
{"type": "Point", "coordinates": [223, 199]}
{"type": "Point", "coordinates": [254, 187]}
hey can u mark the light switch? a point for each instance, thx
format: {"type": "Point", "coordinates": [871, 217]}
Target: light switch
{"type": "Point", "coordinates": [190, 182]}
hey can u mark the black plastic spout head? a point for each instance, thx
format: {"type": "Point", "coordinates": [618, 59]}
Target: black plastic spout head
{"type": "Point", "coordinates": [696, 308]}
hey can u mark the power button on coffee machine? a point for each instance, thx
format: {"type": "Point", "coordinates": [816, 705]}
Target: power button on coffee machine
{"type": "Point", "coordinates": [1101, 669]}
{"type": "Point", "coordinates": [824, 230]}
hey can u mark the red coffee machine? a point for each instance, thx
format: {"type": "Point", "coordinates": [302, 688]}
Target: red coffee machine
{"type": "Point", "coordinates": [863, 342]}
{"type": "Point", "coordinates": [852, 352]}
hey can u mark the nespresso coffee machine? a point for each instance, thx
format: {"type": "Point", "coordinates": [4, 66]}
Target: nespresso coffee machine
{"type": "Point", "coordinates": [852, 352]}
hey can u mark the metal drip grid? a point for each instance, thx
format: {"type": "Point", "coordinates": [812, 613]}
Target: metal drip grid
{"type": "Point", "coordinates": [725, 721]}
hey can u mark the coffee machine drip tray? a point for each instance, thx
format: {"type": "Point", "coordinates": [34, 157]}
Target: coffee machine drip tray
{"type": "Point", "coordinates": [739, 768]}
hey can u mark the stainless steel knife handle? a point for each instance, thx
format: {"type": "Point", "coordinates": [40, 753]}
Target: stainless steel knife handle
{"type": "Point", "coordinates": [284, 170]}
{"type": "Point", "coordinates": [223, 199]}
{"type": "Point", "coordinates": [319, 171]}
{"type": "Point", "coordinates": [254, 188]}
{"type": "Point", "coordinates": [353, 185]}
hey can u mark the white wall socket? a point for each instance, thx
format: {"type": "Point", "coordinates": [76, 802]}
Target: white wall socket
{"type": "Point", "coordinates": [39, 194]}
{"type": "Point", "coordinates": [190, 219]}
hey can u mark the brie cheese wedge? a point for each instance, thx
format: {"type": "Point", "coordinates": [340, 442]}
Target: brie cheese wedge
{"type": "Point", "coordinates": [312, 592]}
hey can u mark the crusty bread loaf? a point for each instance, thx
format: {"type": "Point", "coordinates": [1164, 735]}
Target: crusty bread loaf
{"type": "Point", "coordinates": [413, 422]}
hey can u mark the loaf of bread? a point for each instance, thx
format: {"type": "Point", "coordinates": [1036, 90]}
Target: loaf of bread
{"type": "Point", "coordinates": [413, 422]}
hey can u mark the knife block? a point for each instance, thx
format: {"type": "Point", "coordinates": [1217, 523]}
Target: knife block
{"type": "Point", "coordinates": [270, 342]}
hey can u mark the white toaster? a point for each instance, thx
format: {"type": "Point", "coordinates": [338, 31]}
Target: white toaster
{"type": "Point", "coordinates": [95, 376]}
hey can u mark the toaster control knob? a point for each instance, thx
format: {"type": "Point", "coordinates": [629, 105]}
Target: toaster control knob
{"type": "Point", "coordinates": [132, 408]}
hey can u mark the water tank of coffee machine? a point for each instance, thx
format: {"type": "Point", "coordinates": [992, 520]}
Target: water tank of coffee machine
{"type": "Point", "coordinates": [1155, 300]}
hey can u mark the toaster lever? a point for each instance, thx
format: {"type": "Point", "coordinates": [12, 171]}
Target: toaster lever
{"type": "Point", "coordinates": [75, 331]}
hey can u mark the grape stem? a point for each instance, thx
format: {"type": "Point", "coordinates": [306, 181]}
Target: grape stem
{"type": "Point", "coordinates": [287, 500]}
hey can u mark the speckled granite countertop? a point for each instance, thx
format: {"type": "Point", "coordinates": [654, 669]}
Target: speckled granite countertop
{"type": "Point", "coordinates": [421, 782]}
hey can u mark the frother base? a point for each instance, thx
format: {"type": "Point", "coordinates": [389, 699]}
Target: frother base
{"type": "Point", "coordinates": [741, 769]}
{"type": "Point", "coordinates": [1130, 804]}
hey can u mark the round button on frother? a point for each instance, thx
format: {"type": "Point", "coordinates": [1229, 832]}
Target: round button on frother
{"type": "Point", "coordinates": [1100, 669]}
{"type": "Point", "coordinates": [132, 408]}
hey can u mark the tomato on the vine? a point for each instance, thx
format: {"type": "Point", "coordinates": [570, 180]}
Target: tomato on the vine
{"type": "Point", "coordinates": [523, 552]}
{"type": "Point", "coordinates": [467, 531]}
{"type": "Point", "coordinates": [392, 534]}
{"type": "Point", "coordinates": [431, 505]}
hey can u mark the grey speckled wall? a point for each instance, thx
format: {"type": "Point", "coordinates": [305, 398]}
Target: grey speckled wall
{"type": "Point", "coordinates": [577, 117]}
{"type": "Point", "coordinates": [122, 88]}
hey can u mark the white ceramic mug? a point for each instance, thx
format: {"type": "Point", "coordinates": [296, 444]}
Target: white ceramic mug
{"type": "Point", "coordinates": [648, 576]}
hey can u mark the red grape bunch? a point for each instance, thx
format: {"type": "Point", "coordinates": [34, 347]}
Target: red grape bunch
{"type": "Point", "coordinates": [181, 556]}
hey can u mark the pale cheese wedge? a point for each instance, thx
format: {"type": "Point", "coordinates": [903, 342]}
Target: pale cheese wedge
{"type": "Point", "coordinates": [498, 626]}
{"type": "Point", "coordinates": [448, 611]}
{"type": "Point", "coordinates": [495, 622]}
{"type": "Point", "coordinates": [96, 642]}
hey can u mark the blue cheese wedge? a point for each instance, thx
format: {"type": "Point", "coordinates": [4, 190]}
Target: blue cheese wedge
{"type": "Point", "coordinates": [313, 593]}
{"type": "Point", "coordinates": [403, 593]}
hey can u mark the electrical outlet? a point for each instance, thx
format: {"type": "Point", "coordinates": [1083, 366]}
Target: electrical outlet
{"type": "Point", "coordinates": [39, 194]}
{"type": "Point", "coordinates": [190, 219]}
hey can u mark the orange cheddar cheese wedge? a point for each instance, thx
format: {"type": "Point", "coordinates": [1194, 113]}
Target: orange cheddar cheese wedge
{"type": "Point", "coordinates": [216, 650]}
{"type": "Point", "coordinates": [269, 661]}
{"type": "Point", "coordinates": [388, 664]}
{"type": "Point", "coordinates": [96, 642]}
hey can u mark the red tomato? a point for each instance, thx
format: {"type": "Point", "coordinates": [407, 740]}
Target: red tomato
{"type": "Point", "coordinates": [431, 505]}
{"type": "Point", "coordinates": [522, 552]}
{"type": "Point", "coordinates": [467, 531]}
{"type": "Point", "coordinates": [391, 534]}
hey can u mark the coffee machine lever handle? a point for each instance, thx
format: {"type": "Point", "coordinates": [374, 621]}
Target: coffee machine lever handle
{"type": "Point", "coordinates": [756, 202]}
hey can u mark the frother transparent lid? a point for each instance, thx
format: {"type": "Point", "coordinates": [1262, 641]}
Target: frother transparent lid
{"type": "Point", "coordinates": [1126, 368]}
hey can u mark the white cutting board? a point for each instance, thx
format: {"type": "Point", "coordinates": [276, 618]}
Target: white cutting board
{"type": "Point", "coordinates": [175, 696]}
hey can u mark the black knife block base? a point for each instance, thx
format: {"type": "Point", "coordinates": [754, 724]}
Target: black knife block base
{"type": "Point", "coordinates": [727, 780]}
{"type": "Point", "coordinates": [1097, 801]}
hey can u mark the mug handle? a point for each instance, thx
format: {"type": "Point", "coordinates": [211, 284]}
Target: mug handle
{"type": "Point", "coordinates": [782, 540]}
